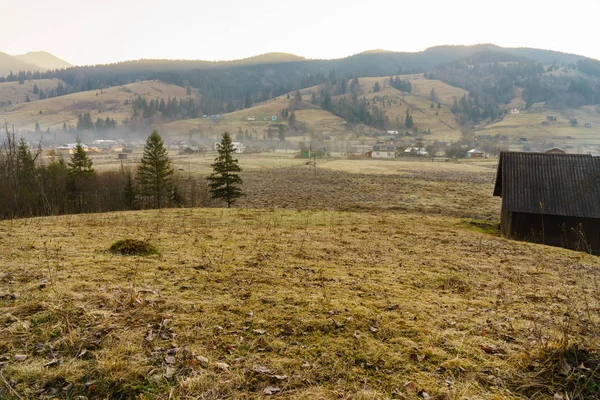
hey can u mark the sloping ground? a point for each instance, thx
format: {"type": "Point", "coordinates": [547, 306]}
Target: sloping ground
{"type": "Point", "coordinates": [578, 139]}
{"type": "Point", "coordinates": [10, 64]}
{"type": "Point", "coordinates": [445, 93]}
{"type": "Point", "coordinates": [395, 103]}
{"type": "Point", "coordinates": [318, 121]}
{"type": "Point", "coordinates": [104, 103]}
{"type": "Point", "coordinates": [43, 60]}
{"type": "Point", "coordinates": [246, 303]}
{"type": "Point", "coordinates": [18, 93]}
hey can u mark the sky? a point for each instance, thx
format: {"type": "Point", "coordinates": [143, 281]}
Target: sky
{"type": "Point", "coordinates": [85, 32]}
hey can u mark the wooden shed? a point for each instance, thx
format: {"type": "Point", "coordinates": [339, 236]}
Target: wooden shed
{"type": "Point", "coordinates": [552, 199]}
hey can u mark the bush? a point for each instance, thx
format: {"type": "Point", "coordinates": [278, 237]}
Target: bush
{"type": "Point", "coordinates": [133, 247]}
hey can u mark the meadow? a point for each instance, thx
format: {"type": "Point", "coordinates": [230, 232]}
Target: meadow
{"type": "Point", "coordinates": [392, 282]}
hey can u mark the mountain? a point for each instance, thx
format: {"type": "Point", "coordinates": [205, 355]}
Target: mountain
{"type": "Point", "coordinates": [43, 60]}
{"type": "Point", "coordinates": [9, 63]}
{"type": "Point", "coordinates": [33, 61]}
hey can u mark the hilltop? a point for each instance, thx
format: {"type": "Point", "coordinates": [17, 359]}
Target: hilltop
{"type": "Point", "coordinates": [33, 61]}
{"type": "Point", "coordinates": [11, 64]}
{"type": "Point", "coordinates": [43, 60]}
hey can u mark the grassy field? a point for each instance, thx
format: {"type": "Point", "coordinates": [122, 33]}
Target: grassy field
{"type": "Point", "coordinates": [443, 192]}
{"type": "Point", "coordinates": [18, 93]}
{"type": "Point", "coordinates": [297, 304]}
{"type": "Point", "coordinates": [52, 113]}
{"type": "Point", "coordinates": [394, 167]}
{"type": "Point", "coordinates": [394, 103]}
{"type": "Point", "coordinates": [578, 139]}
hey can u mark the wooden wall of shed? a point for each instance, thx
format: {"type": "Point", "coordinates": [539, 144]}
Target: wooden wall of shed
{"type": "Point", "coordinates": [581, 234]}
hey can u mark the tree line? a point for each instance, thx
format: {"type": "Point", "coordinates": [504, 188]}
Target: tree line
{"type": "Point", "coordinates": [31, 186]}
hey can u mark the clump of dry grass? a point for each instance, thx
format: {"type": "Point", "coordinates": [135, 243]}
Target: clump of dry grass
{"type": "Point", "coordinates": [559, 368]}
{"type": "Point", "coordinates": [133, 247]}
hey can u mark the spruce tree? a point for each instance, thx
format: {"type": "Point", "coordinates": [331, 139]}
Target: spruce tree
{"type": "Point", "coordinates": [129, 192]}
{"type": "Point", "coordinates": [225, 181]}
{"type": "Point", "coordinates": [27, 179]}
{"type": "Point", "coordinates": [81, 164]}
{"type": "Point", "coordinates": [155, 174]}
{"type": "Point", "coordinates": [80, 173]}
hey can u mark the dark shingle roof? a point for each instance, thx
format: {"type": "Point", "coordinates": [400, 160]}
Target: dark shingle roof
{"type": "Point", "coordinates": [556, 184]}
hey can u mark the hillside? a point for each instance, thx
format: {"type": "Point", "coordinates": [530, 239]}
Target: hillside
{"type": "Point", "coordinates": [301, 304]}
{"type": "Point", "coordinates": [319, 122]}
{"type": "Point", "coordinates": [17, 93]}
{"type": "Point", "coordinates": [541, 135]}
{"type": "Point", "coordinates": [10, 64]}
{"type": "Point", "coordinates": [52, 113]}
{"type": "Point", "coordinates": [43, 60]}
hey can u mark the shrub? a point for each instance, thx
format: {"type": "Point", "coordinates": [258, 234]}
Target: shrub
{"type": "Point", "coordinates": [133, 247]}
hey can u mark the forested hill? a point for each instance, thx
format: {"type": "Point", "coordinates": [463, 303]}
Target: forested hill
{"type": "Point", "coordinates": [230, 85]}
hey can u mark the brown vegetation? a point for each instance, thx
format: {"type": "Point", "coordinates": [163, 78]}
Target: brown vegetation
{"type": "Point", "coordinates": [245, 303]}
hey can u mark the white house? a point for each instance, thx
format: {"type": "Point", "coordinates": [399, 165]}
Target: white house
{"type": "Point", "coordinates": [251, 118]}
{"type": "Point", "coordinates": [515, 111]}
{"type": "Point", "coordinates": [383, 151]}
{"type": "Point", "coordinates": [415, 151]}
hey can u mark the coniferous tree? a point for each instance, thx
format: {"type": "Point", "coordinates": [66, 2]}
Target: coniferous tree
{"type": "Point", "coordinates": [129, 192]}
{"type": "Point", "coordinates": [155, 174]}
{"type": "Point", "coordinates": [81, 164]}
{"type": "Point", "coordinates": [27, 178]}
{"type": "Point", "coordinates": [408, 122]}
{"type": "Point", "coordinates": [225, 181]}
{"type": "Point", "coordinates": [80, 174]}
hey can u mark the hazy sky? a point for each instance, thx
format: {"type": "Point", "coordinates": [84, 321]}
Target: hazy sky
{"type": "Point", "coordinates": [92, 32]}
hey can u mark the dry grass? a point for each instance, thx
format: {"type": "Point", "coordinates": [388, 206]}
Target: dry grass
{"type": "Point", "coordinates": [455, 193]}
{"type": "Point", "coordinates": [405, 168]}
{"type": "Point", "coordinates": [560, 134]}
{"type": "Point", "coordinates": [317, 304]}
{"type": "Point", "coordinates": [17, 93]}
{"type": "Point", "coordinates": [100, 103]}
{"type": "Point", "coordinates": [446, 93]}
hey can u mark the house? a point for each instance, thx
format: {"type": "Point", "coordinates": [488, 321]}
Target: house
{"type": "Point", "coordinates": [251, 119]}
{"type": "Point", "coordinates": [274, 118]}
{"type": "Point", "coordinates": [383, 151]}
{"type": "Point", "coordinates": [474, 153]}
{"type": "Point", "coordinates": [556, 150]}
{"type": "Point", "coordinates": [191, 150]}
{"type": "Point", "coordinates": [587, 125]}
{"type": "Point", "coordinates": [551, 118]}
{"type": "Point", "coordinates": [69, 148]}
{"type": "Point", "coordinates": [550, 198]}
{"type": "Point", "coordinates": [515, 111]}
